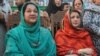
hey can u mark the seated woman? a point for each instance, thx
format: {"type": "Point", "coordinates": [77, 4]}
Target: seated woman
{"type": "Point", "coordinates": [29, 38]}
{"type": "Point", "coordinates": [73, 40]}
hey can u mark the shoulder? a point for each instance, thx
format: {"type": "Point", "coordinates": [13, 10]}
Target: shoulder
{"type": "Point", "coordinates": [44, 30]}
{"type": "Point", "coordinates": [59, 33]}
{"type": "Point", "coordinates": [45, 33]}
{"type": "Point", "coordinates": [12, 33]}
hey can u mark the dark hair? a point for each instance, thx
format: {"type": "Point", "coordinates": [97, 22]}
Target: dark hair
{"type": "Point", "coordinates": [52, 8]}
{"type": "Point", "coordinates": [1, 1]}
{"type": "Point", "coordinates": [25, 6]}
{"type": "Point", "coordinates": [65, 4]}
{"type": "Point", "coordinates": [81, 24]}
{"type": "Point", "coordinates": [72, 10]}
{"type": "Point", "coordinates": [74, 3]}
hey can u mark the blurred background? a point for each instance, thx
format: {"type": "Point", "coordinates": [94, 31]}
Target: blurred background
{"type": "Point", "coordinates": [42, 3]}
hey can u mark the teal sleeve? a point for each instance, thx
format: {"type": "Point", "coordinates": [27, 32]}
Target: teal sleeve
{"type": "Point", "coordinates": [52, 46]}
{"type": "Point", "coordinates": [11, 47]}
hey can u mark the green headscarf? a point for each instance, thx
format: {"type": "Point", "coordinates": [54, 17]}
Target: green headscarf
{"type": "Point", "coordinates": [25, 40]}
{"type": "Point", "coordinates": [35, 27]}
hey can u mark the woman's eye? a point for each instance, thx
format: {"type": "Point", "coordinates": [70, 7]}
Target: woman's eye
{"type": "Point", "coordinates": [35, 11]}
{"type": "Point", "coordinates": [79, 3]}
{"type": "Point", "coordinates": [29, 11]}
{"type": "Point", "coordinates": [77, 17]}
{"type": "Point", "coordinates": [72, 17]}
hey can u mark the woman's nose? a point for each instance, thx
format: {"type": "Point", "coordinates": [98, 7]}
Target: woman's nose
{"type": "Point", "coordinates": [32, 13]}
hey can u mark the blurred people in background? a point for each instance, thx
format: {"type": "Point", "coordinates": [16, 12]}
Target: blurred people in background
{"type": "Point", "coordinates": [35, 1]}
{"type": "Point", "coordinates": [91, 21]}
{"type": "Point", "coordinates": [78, 5]}
{"type": "Point", "coordinates": [66, 6]}
{"type": "Point", "coordinates": [45, 19]}
{"type": "Point", "coordinates": [54, 7]}
{"type": "Point", "coordinates": [5, 9]}
{"type": "Point", "coordinates": [19, 4]}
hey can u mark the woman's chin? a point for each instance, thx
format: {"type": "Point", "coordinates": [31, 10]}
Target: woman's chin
{"type": "Point", "coordinates": [31, 22]}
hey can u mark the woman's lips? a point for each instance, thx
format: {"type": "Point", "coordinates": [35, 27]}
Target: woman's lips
{"type": "Point", "coordinates": [32, 17]}
{"type": "Point", "coordinates": [76, 23]}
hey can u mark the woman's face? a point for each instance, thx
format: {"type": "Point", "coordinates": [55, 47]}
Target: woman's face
{"type": "Point", "coordinates": [57, 2]}
{"type": "Point", "coordinates": [31, 14]}
{"type": "Point", "coordinates": [78, 5]}
{"type": "Point", "coordinates": [66, 7]}
{"type": "Point", "coordinates": [97, 2]}
{"type": "Point", "coordinates": [75, 19]}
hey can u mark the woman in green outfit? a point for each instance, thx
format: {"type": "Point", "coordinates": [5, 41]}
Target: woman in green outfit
{"type": "Point", "coordinates": [29, 38]}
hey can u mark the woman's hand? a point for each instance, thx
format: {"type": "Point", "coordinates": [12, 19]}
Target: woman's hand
{"type": "Point", "coordinates": [86, 51]}
{"type": "Point", "coordinates": [45, 14]}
